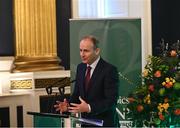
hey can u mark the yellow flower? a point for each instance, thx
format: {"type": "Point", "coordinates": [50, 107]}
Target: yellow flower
{"type": "Point", "coordinates": [168, 82]}
{"type": "Point", "coordinates": [147, 99]}
{"type": "Point", "coordinates": [145, 73]}
{"type": "Point", "coordinates": [166, 106]}
{"type": "Point", "coordinates": [167, 79]}
{"type": "Point", "coordinates": [160, 108]}
{"type": "Point", "coordinates": [173, 80]}
{"type": "Point", "coordinates": [163, 83]}
{"type": "Point", "coordinates": [163, 107]}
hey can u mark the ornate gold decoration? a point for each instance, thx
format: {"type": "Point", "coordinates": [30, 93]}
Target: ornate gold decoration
{"type": "Point", "coordinates": [54, 82]}
{"type": "Point", "coordinates": [35, 35]}
{"type": "Point", "coordinates": [21, 84]}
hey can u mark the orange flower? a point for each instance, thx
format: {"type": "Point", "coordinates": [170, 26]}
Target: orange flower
{"type": "Point", "coordinates": [157, 73]}
{"type": "Point", "coordinates": [151, 88]}
{"type": "Point", "coordinates": [169, 84]}
{"type": "Point", "coordinates": [161, 117]}
{"type": "Point", "coordinates": [173, 53]}
{"type": "Point", "coordinates": [131, 99]}
{"type": "Point", "coordinates": [177, 111]}
{"type": "Point", "coordinates": [140, 108]}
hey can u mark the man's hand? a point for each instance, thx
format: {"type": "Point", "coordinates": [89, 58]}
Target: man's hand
{"type": "Point", "coordinates": [82, 107]}
{"type": "Point", "coordinates": [62, 106]}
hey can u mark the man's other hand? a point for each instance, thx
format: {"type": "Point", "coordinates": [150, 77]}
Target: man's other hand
{"type": "Point", "coordinates": [82, 107]}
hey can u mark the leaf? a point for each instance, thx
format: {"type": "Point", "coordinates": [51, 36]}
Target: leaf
{"type": "Point", "coordinates": [157, 121]}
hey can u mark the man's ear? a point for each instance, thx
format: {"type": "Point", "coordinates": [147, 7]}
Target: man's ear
{"type": "Point", "coordinates": [98, 51]}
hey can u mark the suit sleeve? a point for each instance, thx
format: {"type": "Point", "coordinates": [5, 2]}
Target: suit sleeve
{"type": "Point", "coordinates": [75, 95]}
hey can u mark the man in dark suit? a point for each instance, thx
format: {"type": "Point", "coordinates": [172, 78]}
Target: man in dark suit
{"type": "Point", "coordinates": [96, 90]}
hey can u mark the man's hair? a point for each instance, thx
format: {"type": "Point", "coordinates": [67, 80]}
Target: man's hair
{"type": "Point", "coordinates": [93, 39]}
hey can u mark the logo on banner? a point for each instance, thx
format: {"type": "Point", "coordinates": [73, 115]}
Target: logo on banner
{"type": "Point", "coordinates": [123, 111]}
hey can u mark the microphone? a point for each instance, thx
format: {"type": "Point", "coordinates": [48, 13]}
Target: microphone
{"type": "Point", "coordinates": [62, 89]}
{"type": "Point", "coordinates": [49, 90]}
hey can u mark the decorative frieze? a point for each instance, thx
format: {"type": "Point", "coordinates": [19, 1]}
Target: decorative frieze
{"type": "Point", "coordinates": [21, 84]}
{"type": "Point", "coordinates": [53, 82]}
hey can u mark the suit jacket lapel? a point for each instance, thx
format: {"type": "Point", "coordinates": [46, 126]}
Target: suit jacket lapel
{"type": "Point", "coordinates": [97, 71]}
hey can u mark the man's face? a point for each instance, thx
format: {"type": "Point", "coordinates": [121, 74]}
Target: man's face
{"type": "Point", "coordinates": [87, 52]}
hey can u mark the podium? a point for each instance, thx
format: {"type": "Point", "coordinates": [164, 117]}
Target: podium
{"type": "Point", "coordinates": [47, 119]}
{"type": "Point", "coordinates": [57, 120]}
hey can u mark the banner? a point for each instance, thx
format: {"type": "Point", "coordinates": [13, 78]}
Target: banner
{"type": "Point", "coordinates": [120, 43]}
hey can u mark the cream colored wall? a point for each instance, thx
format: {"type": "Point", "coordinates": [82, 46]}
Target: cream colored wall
{"type": "Point", "coordinates": [142, 9]}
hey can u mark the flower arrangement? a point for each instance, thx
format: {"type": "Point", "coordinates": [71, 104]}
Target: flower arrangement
{"type": "Point", "coordinates": [156, 102]}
